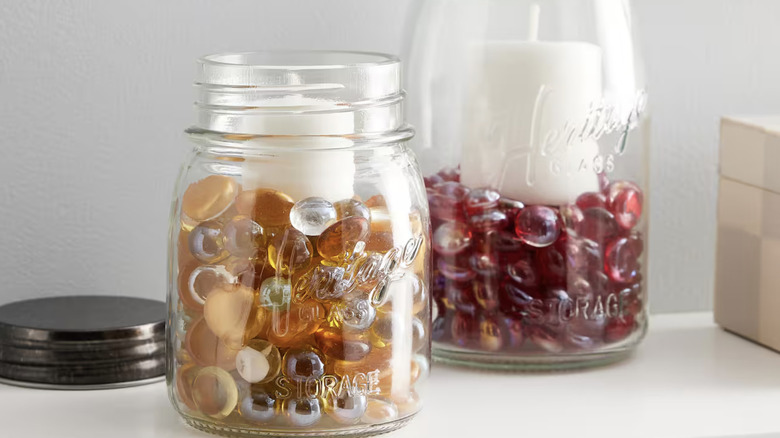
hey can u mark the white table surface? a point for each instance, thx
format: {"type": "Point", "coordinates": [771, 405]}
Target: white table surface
{"type": "Point", "coordinates": [688, 379]}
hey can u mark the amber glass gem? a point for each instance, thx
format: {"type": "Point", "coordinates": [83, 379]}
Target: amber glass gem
{"type": "Point", "coordinates": [206, 349]}
{"type": "Point", "coordinates": [209, 197]}
{"type": "Point", "coordinates": [185, 374]}
{"type": "Point", "coordinates": [332, 342]}
{"type": "Point", "coordinates": [340, 238]}
{"type": "Point", "coordinates": [267, 207]}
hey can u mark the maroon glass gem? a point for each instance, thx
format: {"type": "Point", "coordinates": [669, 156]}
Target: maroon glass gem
{"type": "Point", "coordinates": [450, 174]}
{"type": "Point", "coordinates": [451, 238]}
{"type": "Point", "coordinates": [486, 294]}
{"type": "Point", "coordinates": [538, 226]}
{"type": "Point", "coordinates": [523, 272]}
{"type": "Point", "coordinates": [454, 272]}
{"type": "Point", "coordinates": [515, 333]}
{"type": "Point", "coordinates": [621, 262]}
{"type": "Point", "coordinates": [432, 180]}
{"type": "Point", "coordinates": [464, 329]}
{"type": "Point", "coordinates": [618, 329]}
{"type": "Point", "coordinates": [493, 220]}
{"type": "Point", "coordinates": [510, 207]}
{"type": "Point", "coordinates": [598, 225]}
{"type": "Point", "coordinates": [545, 338]}
{"type": "Point", "coordinates": [481, 200]}
{"type": "Point", "coordinates": [625, 202]}
{"type": "Point", "coordinates": [591, 200]}
{"type": "Point", "coordinates": [453, 190]}
{"type": "Point", "coordinates": [445, 208]}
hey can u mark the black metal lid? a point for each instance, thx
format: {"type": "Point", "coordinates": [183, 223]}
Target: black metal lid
{"type": "Point", "coordinates": [82, 342]}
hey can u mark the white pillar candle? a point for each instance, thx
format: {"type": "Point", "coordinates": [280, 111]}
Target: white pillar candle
{"type": "Point", "coordinates": [526, 98]}
{"type": "Point", "coordinates": [294, 168]}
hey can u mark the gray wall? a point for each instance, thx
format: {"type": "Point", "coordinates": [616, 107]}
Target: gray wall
{"type": "Point", "coordinates": [94, 96]}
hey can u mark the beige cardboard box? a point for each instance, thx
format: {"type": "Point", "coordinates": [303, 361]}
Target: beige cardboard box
{"type": "Point", "coordinates": [747, 275]}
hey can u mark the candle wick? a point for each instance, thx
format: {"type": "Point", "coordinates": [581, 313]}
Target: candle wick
{"type": "Point", "coordinates": [533, 22]}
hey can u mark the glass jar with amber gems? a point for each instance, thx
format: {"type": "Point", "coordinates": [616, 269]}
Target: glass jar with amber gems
{"type": "Point", "coordinates": [299, 250]}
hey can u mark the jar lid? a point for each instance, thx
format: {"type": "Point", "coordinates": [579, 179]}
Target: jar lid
{"type": "Point", "coordinates": [82, 342]}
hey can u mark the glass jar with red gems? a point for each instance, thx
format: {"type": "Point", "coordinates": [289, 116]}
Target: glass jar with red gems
{"type": "Point", "coordinates": [532, 122]}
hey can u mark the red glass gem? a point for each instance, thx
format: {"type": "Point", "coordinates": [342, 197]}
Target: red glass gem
{"type": "Point", "coordinates": [454, 272]}
{"type": "Point", "coordinates": [545, 338]}
{"type": "Point", "coordinates": [510, 207]}
{"type": "Point", "coordinates": [603, 182]}
{"type": "Point", "coordinates": [491, 337]}
{"type": "Point", "coordinates": [502, 243]}
{"type": "Point", "coordinates": [441, 330]}
{"type": "Point", "coordinates": [445, 208]}
{"type": "Point", "coordinates": [572, 217]}
{"type": "Point", "coordinates": [625, 202]}
{"type": "Point", "coordinates": [591, 200]}
{"type": "Point", "coordinates": [621, 262]}
{"type": "Point", "coordinates": [538, 226]}
{"type": "Point", "coordinates": [451, 238]}
{"type": "Point", "coordinates": [618, 329]}
{"type": "Point", "coordinates": [598, 225]}
{"type": "Point", "coordinates": [461, 298]}
{"type": "Point", "coordinates": [488, 221]}
{"type": "Point", "coordinates": [486, 265]}
{"type": "Point", "coordinates": [481, 200]}
{"type": "Point", "coordinates": [432, 180]}
{"type": "Point", "coordinates": [522, 299]}
{"type": "Point", "coordinates": [453, 190]}
{"type": "Point", "coordinates": [450, 174]}
{"type": "Point", "coordinates": [486, 294]}
{"type": "Point", "coordinates": [464, 329]}
{"type": "Point", "coordinates": [583, 255]}
{"type": "Point", "coordinates": [523, 272]}
{"type": "Point", "coordinates": [552, 264]}
{"type": "Point", "coordinates": [636, 241]}
{"type": "Point", "coordinates": [579, 287]}
{"type": "Point", "coordinates": [515, 333]}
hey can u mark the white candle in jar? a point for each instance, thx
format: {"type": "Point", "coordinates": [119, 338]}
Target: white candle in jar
{"type": "Point", "coordinates": [309, 159]}
{"type": "Point", "coordinates": [526, 99]}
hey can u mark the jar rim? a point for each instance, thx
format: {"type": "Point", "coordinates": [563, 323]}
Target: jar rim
{"type": "Point", "coordinates": [299, 92]}
{"type": "Point", "coordinates": [299, 59]}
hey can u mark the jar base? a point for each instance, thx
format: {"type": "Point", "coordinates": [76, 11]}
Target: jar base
{"type": "Point", "coordinates": [354, 431]}
{"type": "Point", "coordinates": [489, 361]}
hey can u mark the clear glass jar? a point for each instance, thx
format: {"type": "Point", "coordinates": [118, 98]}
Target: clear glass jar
{"type": "Point", "coordinates": [298, 287]}
{"type": "Point", "coordinates": [532, 135]}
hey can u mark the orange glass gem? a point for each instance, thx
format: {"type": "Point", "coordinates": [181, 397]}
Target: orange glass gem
{"type": "Point", "coordinates": [231, 314]}
{"type": "Point", "coordinates": [381, 220]}
{"type": "Point", "coordinates": [351, 208]}
{"type": "Point", "coordinates": [206, 349]}
{"type": "Point", "coordinates": [186, 298]}
{"type": "Point", "coordinates": [185, 374]}
{"type": "Point", "coordinates": [269, 208]}
{"type": "Point", "coordinates": [332, 342]}
{"type": "Point", "coordinates": [380, 241]}
{"type": "Point", "coordinates": [289, 251]}
{"type": "Point", "coordinates": [209, 197]}
{"type": "Point", "coordinates": [215, 392]}
{"type": "Point", "coordinates": [376, 201]}
{"type": "Point", "coordinates": [340, 238]}
{"type": "Point", "coordinates": [297, 325]}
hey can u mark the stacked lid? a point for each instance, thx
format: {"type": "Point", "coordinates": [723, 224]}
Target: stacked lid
{"type": "Point", "coordinates": [82, 342]}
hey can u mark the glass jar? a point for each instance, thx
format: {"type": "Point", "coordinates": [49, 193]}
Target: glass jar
{"type": "Point", "coordinates": [298, 286]}
{"type": "Point", "coordinates": [532, 135]}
